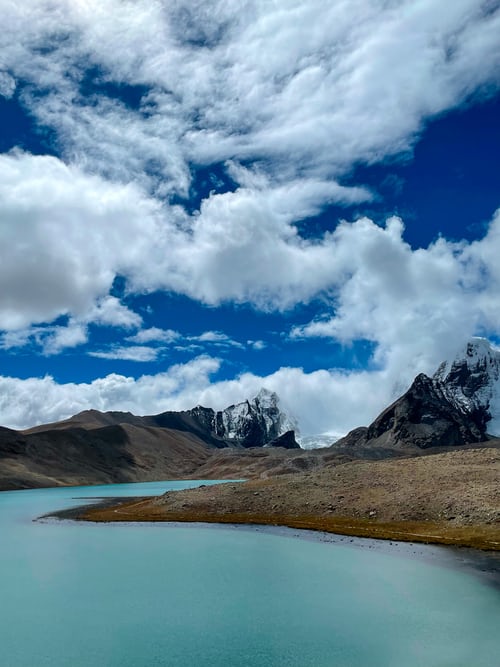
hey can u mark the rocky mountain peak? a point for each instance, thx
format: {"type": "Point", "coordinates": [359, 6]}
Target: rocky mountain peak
{"type": "Point", "coordinates": [460, 404]}
{"type": "Point", "coordinates": [254, 422]}
{"type": "Point", "coordinates": [424, 417]}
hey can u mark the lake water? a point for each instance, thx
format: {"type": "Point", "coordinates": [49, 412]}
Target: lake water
{"type": "Point", "coordinates": [84, 595]}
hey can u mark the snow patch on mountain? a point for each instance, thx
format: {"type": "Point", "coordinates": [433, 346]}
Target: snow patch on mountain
{"type": "Point", "coordinates": [471, 380]}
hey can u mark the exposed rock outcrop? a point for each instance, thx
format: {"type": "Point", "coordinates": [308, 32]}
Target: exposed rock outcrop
{"type": "Point", "coordinates": [286, 440]}
{"type": "Point", "coordinates": [251, 423]}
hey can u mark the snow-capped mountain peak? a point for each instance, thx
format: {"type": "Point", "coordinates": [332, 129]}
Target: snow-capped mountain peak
{"type": "Point", "coordinates": [254, 421]}
{"type": "Point", "coordinates": [471, 380]}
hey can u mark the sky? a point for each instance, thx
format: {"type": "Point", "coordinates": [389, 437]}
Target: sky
{"type": "Point", "coordinates": [198, 199]}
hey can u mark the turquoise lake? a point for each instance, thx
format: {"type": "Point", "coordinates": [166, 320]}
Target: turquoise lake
{"type": "Point", "coordinates": [84, 595]}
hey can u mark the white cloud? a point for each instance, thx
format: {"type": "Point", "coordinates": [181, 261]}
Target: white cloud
{"type": "Point", "coordinates": [7, 85]}
{"type": "Point", "coordinates": [257, 344]}
{"type": "Point", "coordinates": [212, 337]}
{"type": "Point", "coordinates": [50, 339]}
{"type": "Point", "coordinates": [243, 247]}
{"type": "Point", "coordinates": [128, 353]}
{"type": "Point", "coordinates": [110, 312]}
{"type": "Point", "coordinates": [24, 403]}
{"type": "Point", "coordinates": [61, 338]}
{"type": "Point", "coordinates": [417, 306]}
{"type": "Point", "coordinates": [217, 338]}
{"type": "Point", "coordinates": [154, 335]}
{"type": "Point", "coordinates": [15, 339]}
{"type": "Point", "coordinates": [56, 338]}
{"type": "Point", "coordinates": [68, 234]}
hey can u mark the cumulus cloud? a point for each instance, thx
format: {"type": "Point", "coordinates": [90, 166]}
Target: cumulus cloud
{"type": "Point", "coordinates": [33, 401]}
{"type": "Point", "coordinates": [109, 311]}
{"type": "Point", "coordinates": [417, 306]}
{"type": "Point", "coordinates": [7, 85]}
{"type": "Point", "coordinates": [53, 339]}
{"type": "Point", "coordinates": [68, 234]}
{"type": "Point", "coordinates": [50, 339]}
{"type": "Point", "coordinates": [257, 344]}
{"type": "Point", "coordinates": [61, 338]}
{"type": "Point", "coordinates": [242, 246]}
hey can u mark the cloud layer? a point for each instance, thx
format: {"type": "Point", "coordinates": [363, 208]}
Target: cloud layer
{"type": "Point", "coordinates": [140, 92]}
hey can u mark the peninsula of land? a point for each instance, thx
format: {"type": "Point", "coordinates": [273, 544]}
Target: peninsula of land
{"type": "Point", "coordinates": [448, 498]}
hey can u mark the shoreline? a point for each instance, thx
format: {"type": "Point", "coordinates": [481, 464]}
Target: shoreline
{"type": "Point", "coordinates": [480, 561]}
{"type": "Point", "coordinates": [482, 537]}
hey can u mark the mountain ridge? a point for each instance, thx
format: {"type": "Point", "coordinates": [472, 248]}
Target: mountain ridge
{"type": "Point", "coordinates": [251, 423]}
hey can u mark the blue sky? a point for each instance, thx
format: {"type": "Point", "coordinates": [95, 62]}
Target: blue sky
{"type": "Point", "coordinates": [196, 201]}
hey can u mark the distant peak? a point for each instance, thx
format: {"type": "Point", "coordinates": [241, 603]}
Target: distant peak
{"type": "Point", "coordinates": [477, 347]}
{"type": "Point", "coordinates": [266, 397]}
{"type": "Point", "coordinates": [254, 422]}
{"type": "Point", "coordinates": [86, 413]}
{"type": "Point", "coordinates": [266, 392]}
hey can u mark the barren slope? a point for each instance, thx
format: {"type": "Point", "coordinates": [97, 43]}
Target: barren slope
{"type": "Point", "coordinates": [101, 455]}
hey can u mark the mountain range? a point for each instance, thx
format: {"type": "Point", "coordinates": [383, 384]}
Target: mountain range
{"type": "Point", "coordinates": [458, 407]}
{"type": "Point", "coordinates": [103, 447]}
